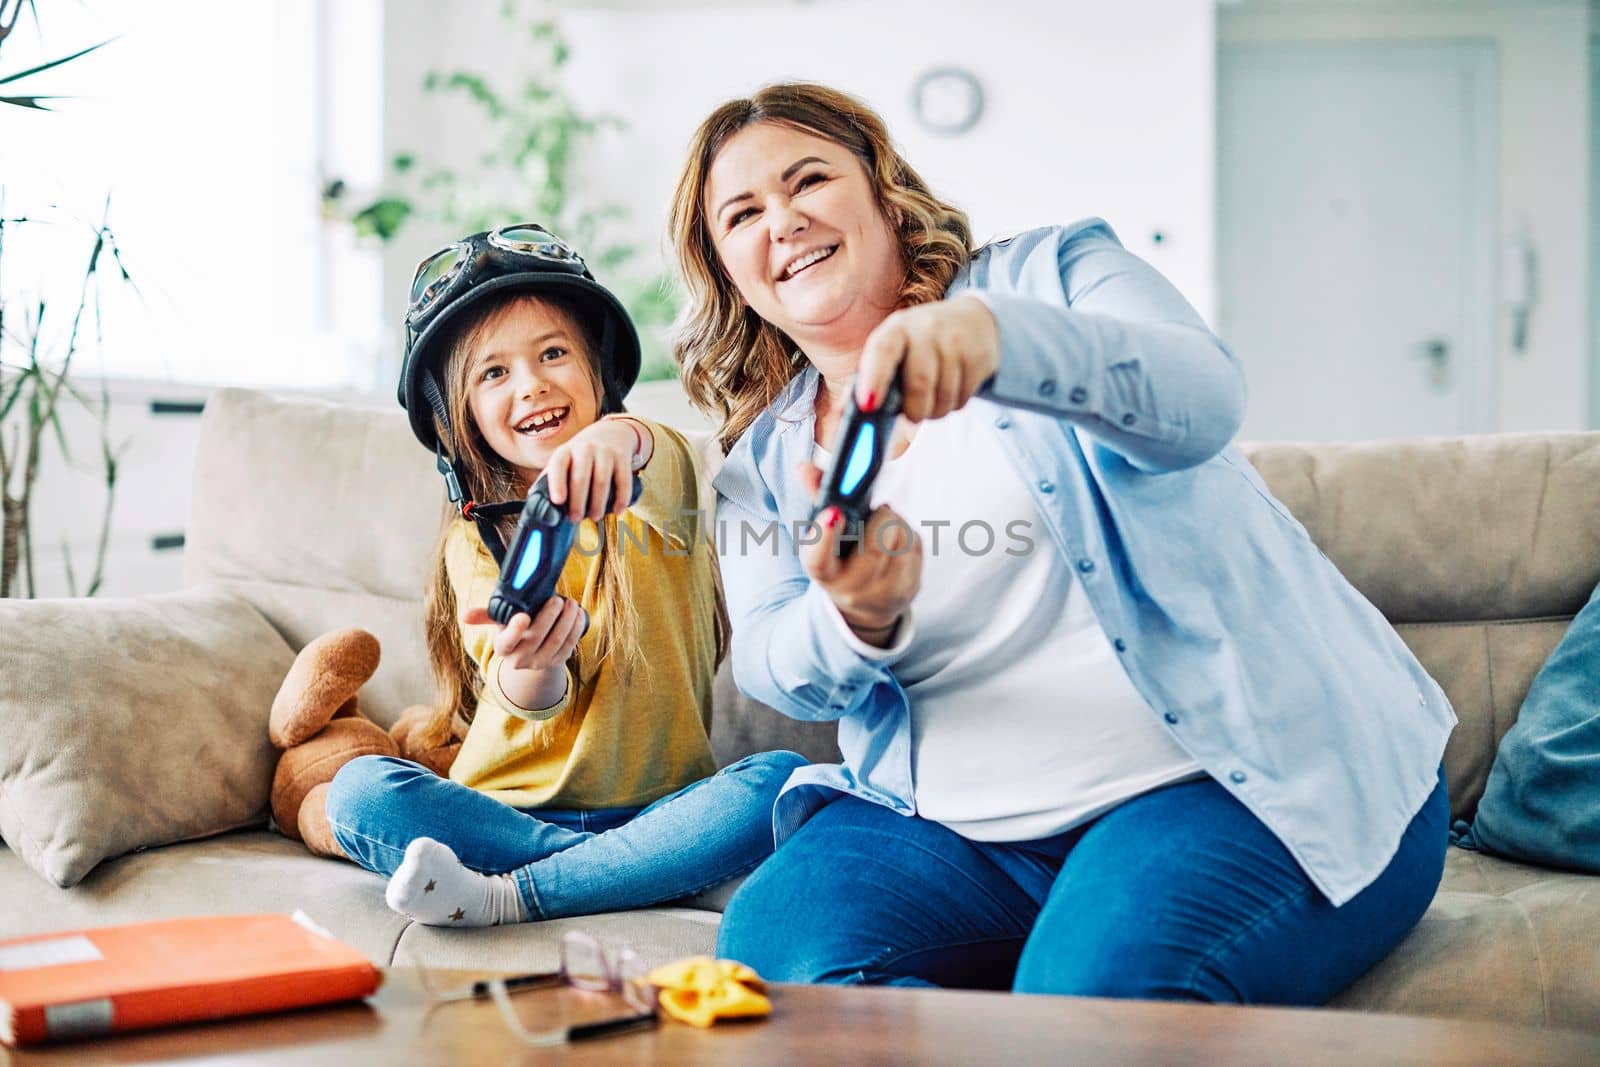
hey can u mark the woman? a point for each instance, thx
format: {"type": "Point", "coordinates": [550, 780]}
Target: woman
{"type": "Point", "coordinates": [1155, 745]}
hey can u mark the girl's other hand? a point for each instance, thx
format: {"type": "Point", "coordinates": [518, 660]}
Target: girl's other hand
{"type": "Point", "coordinates": [597, 463]}
{"type": "Point", "coordinates": [539, 642]}
{"type": "Point", "coordinates": [874, 585]}
{"type": "Point", "coordinates": [944, 352]}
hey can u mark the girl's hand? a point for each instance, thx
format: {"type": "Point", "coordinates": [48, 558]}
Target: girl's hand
{"type": "Point", "coordinates": [534, 650]}
{"type": "Point", "coordinates": [943, 352]}
{"type": "Point", "coordinates": [873, 586]}
{"type": "Point", "coordinates": [599, 461]}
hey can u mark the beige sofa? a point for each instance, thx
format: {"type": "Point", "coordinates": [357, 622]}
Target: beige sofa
{"type": "Point", "coordinates": [1479, 550]}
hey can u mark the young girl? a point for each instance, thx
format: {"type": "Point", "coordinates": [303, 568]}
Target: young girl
{"type": "Point", "coordinates": [585, 779]}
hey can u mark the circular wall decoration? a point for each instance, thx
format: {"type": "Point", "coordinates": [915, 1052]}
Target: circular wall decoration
{"type": "Point", "coordinates": [947, 100]}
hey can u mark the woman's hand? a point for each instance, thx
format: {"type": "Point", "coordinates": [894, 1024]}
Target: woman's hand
{"type": "Point", "coordinates": [873, 586]}
{"type": "Point", "coordinates": [600, 460]}
{"type": "Point", "coordinates": [943, 353]}
{"type": "Point", "coordinates": [533, 650]}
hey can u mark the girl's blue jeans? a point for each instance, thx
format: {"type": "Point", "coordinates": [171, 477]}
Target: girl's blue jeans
{"type": "Point", "coordinates": [1179, 894]}
{"type": "Point", "coordinates": [566, 862]}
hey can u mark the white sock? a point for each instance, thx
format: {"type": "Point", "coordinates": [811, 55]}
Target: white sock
{"type": "Point", "coordinates": [435, 889]}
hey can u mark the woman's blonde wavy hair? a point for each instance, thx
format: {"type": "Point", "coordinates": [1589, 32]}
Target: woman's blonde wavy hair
{"type": "Point", "coordinates": [734, 363]}
{"type": "Point", "coordinates": [486, 476]}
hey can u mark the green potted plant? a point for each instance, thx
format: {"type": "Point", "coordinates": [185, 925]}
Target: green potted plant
{"type": "Point", "coordinates": [536, 135]}
{"type": "Point", "coordinates": [37, 347]}
{"type": "Point", "coordinates": [10, 11]}
{"type": "Point", "coordinates": [39, 337]}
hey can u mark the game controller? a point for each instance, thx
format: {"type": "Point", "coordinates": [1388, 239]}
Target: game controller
{"type": "Point", "coordinates": [859, 450]}
{"type": "Point", "coordinates": [538, 553]}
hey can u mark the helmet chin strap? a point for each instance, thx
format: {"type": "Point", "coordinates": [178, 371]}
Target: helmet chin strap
{"type": "Point", "coordinates": [483, 515]}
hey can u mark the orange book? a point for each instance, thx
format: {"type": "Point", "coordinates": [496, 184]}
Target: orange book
{"type": "Point", "coordinates": [84, 983]}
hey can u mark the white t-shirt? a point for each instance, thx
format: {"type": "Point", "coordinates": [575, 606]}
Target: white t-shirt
{"type": "Point", "coordinates": [1023, 722]}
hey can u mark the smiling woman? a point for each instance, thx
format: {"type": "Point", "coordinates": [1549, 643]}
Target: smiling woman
{"type": "Point", "coordinates": [826, 232]}
{"type": "Point", "coordinates": [829, 184]}
{"type": "Point", "coordinates": [1102, 764]}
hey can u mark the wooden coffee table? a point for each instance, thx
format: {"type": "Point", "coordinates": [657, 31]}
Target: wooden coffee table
{"type": "Point", "coordinates": [816, 1024]}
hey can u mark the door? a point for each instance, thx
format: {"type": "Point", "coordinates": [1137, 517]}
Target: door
{"type": "Point", "coordinates": [1356, 235]}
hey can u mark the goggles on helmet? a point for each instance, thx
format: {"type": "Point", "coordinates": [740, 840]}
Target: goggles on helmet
{"type": "Point", "coordinates": [440, 275]}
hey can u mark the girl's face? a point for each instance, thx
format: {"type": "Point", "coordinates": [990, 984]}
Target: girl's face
{"type": "Point", "coordinates": [797, 227]}
{"type": "Point", "coordinates": [530, 383]}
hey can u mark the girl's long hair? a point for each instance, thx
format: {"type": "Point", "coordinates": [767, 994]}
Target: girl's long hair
{"type": "Point", "coordinates": [488, 477]}
{"type": "Point", "coordinates": [733, 363]}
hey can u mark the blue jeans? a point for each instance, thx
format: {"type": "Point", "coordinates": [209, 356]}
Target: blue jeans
{"type": "Point", "coordinates": [1179, 894]}
{"type": "Point", "coordinates": [566, 862]}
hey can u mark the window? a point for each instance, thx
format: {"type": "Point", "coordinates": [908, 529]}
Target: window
{"type": "Point", "coordinates": [211, 127]}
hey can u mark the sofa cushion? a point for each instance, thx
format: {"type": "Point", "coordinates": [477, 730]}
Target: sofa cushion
{"type": "Point", "coordinates": [132, 722]}
{"type": "Point", "coordinates": [352, 551]}
{"type": "Point", "coordinates": [1499, 526]}
{"type": "Point", "coordinates": [1500, 941]}
{"type": "Point", "coordinates": [1485, 668]}
{"type": "Point", "coordinates": [1542, 800]}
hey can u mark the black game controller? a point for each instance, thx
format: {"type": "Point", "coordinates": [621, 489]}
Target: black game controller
{"type": "Point", "coordinates": [859, 450]}
{"type": "Point", "coordinates": [537, 554]}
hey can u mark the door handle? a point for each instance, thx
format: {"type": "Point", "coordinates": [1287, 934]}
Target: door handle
{"type": "Point", "coordinates": [1436, 350]}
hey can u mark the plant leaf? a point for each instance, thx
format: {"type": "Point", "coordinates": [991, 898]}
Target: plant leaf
{"type": "Point", "coordinates": [29, 101]}
{"type": "Point", "coordinates": [382, 218]}
{"type": "Point", "coordinates": [54, 62]}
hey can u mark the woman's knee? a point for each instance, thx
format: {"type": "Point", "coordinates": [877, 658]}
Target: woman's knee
{"type": "Point", "coordinates": [1126, 971]}
{"type": "Point", "coordinates": [760, 928]}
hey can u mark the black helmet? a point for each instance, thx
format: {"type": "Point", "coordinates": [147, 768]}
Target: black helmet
{"type": "Point", "coordinates": [455, 279]}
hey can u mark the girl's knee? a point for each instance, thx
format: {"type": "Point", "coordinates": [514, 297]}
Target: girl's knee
{"type": "Point", "coordinates": [774, 767]}
{"type": "Point", "coordinates": [364, 780]}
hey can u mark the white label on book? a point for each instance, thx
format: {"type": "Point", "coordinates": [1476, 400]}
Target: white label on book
{"type": "Point", "coordinates": [86, 1018]}
{"type": "Point", "coordinates": [49, 953]}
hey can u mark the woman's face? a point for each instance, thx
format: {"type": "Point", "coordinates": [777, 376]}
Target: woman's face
{"type": "Point", "coordinates": [530, 386]}
{"type": "Point", "coordinates": [797, 227]}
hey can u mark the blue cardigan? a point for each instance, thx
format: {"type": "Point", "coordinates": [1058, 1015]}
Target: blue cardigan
{"type": "Point", "coordinates": [1116, 405]}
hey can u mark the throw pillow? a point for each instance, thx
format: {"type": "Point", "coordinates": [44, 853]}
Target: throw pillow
{"type": "Point", "coordinates": [1542, 801]}
{"type": "Point", "coordinates": [132, 722]}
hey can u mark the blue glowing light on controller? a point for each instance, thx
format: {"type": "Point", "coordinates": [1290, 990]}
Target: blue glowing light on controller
{"type": "Point", "coordinates": [529, 560]}
{"type": "Point", "coordinates": [860, 458]}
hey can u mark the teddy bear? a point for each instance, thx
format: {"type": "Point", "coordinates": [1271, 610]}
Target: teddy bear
{"type": "Point", "coordinates": [316, 721]}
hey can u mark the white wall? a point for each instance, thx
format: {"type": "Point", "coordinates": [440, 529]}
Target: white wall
{"type": "Point", "coordinates": [1092, 108]}
{"type": "Point", "coordinates": [1543, 55]}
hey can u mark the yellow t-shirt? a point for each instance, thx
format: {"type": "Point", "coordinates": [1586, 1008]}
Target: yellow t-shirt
{"type": "Point", "coordinates": [622, 745]}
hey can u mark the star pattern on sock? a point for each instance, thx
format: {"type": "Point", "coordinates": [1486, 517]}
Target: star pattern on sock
{"type": "Point", "coordinates": [433, 887]}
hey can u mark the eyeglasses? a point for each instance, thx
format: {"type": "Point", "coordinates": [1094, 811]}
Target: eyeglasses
{"type": "Point", "coordinates": [441, 273]}
{"type": "Point", "coordinates": [586, 963]}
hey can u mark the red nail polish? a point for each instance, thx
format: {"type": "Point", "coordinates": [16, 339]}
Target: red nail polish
{"type": "Point", "coordinates": [834, 517]}
{"type": "Point", "coordinates": [871, 403]}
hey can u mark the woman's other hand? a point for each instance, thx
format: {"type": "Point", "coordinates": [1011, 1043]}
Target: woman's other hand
{"type": "Point", "coordinates": [873, 586]}
{"type": "Point", "coordinates": [944, 353]}
{"type": "Point", "coordinates": [598, 461]}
